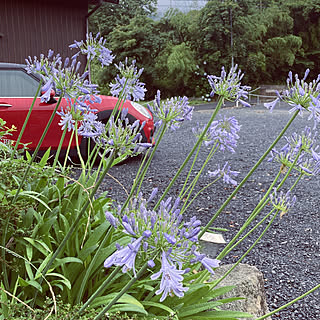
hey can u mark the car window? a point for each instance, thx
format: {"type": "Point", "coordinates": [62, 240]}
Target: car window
{"type": "Point", "coordinates": [17, 83]}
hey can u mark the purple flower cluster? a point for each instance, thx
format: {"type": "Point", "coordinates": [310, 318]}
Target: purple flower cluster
{"type": "Point", "coordinates": [93, 47]}
{"type": "Point", "coordinates": [171, 112]}
{"type": "Point", "coordinates": [226, 173]}
{"type": "Point", "coordinates": [127, 84]}
{"type": "Point", "coordinates": [282, 201]}
{"type": "Point", "coordinates": [64, 77]}
{"type": "Point", "coordinates": [229, 86]}
{"type": "Point", "coordinates": [222, 132]}
{"type": "Point", "coordinates": [302, 146]}
{"type": "Point", "coordinates": [119, 135]}
{"type": "Point", "coordinates": [301, 95]}
{"type": "Point", "coordinates": [226, 132]}
{"type": "Point", "coordinates": [160, 238]}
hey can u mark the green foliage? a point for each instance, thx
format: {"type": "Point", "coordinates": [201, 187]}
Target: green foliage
{"type": "Point", "coordinates": [266, 38]}
{"type": "Point", "coordinates": [62, 312]}
{"type": "Point", "coordinates": [201, 301]}
{"type": "Point", "coordinates": [174, 68]}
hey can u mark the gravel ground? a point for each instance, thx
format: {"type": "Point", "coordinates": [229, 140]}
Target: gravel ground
{"type": "Point", "coordinates": [289, 254]}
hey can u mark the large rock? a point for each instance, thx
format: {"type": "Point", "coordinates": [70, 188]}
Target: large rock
{"type": "Point", "coordinates": [249, 284]}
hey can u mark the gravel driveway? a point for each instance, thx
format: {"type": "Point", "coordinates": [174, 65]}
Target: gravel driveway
{"type": "Point", "coordinates": [289, 254]}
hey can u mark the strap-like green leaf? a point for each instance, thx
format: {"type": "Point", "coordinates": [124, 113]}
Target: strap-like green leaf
{"type": "Point", "coordinates": [158, 305]}
{"type": "Point", "coordinates": [223, 315]}
{"type": "Point", "coordinates": [197, 308]}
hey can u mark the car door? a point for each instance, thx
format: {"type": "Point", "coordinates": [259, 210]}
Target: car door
{"type": "Point", "coordinates": [17, 90]}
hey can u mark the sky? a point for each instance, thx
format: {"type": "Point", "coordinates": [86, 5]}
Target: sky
{"type": "Point", "coordinates": [183, 5]}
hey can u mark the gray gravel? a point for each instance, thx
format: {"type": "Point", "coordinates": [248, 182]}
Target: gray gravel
{"type": "Point", "coordinates": [289, 254]}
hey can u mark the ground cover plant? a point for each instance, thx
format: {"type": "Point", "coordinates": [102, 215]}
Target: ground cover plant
{"type": "Point", "coordinates": [95, 257]}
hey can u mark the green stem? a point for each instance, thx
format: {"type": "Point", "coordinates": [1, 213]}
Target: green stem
{"type": "Point", "coordinates": [263, 202]}
{"type": "Point", "coordinates": [139, 178]}
{"type": "Point", "coordinates": [111, 278]}
{"type": "Point", "coordinates": [246, 235]}
{"type": "Point", "coordinates": [37, 149]}
{"type": "Point", "coordinates": [147, 165]}
{"type": "Point", "coordinates": [196, 178]}
{"type": "Point", "coordinates": [248, 175]}
{"type": "Point", "coordinates": [181, 195]}
{"type": "Point", "coordinates": [68, 150]}
{"type": "Point", "coordinates": [194, 198]}
{"type": "Point", "coordinates": [3, 254]}
{"type": "Point", "coordinates": [59, 148]}
{"type": "Point", "coordinates": [254, 213]}
{"type": "Point", "coordinates": [122, 292]}
{"type": "Point", "coordinates": [88, 271]}
{"type": "Point", "coordinates": [78, 148]}
{"type": "Point", "coordinates": [26, 120]}
{"type": "Point", "coordinates": [199, 141]}
{"type": "Point", "coordinates": [289, 303]}
{"type": "Point", "coordinates": [248, 251]}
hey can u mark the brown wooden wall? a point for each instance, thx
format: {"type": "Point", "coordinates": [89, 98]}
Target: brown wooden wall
{"type": "Point", "coordinates": [31, 27]}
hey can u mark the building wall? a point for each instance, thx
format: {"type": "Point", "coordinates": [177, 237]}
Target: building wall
{"type": "Point", "coordinates": [32, 27]}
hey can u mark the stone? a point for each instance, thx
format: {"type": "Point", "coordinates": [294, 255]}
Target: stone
{"type": "Point", "coordinates": [249, 284]}
{"type": "Point", "coordinates": [211, 243]}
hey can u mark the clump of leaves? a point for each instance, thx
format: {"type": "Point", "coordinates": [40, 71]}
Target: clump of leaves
{"type": "Point", "coordinates": [11, 173]}
{"type": "Point", "coordinates": [63, 312]}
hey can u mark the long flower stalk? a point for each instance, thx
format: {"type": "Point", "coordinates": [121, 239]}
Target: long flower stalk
{"type": "Point", "coordinates": [248, 251]}
{"type": "Point", "coordinates": [147, 165]}
{"type": "Point", "coordinates": [92, 262]}
{"type": "Point", "coordinates": [199, 141]}
{"type": "Point", "coordinates": [110, 279]}
{"type": "Point", "coordinates": [37, 149]}
{"type": "Point", "coordinates": [26, 120]}
{"type": "Point", "coordinates": [196, 178]}
{"type": "Point", "coordinates": [263, 202]}
{"type": "Point", "coordinates": [68, 150]}
{"type": "Point", "coordinates": [190, 171]}
{"type": "Point", "coordinates": [122, 292]}
{"type": "Point", "coordinates": [289, 303]}
{"type": "Point", "coordinates": [59, 147]}
{"type": "Point", "coordinates": [198, 193]}
{"type": "Point", "coordinates": [248, 175]}
{"type": "Point", "coordinates": [141, 173]}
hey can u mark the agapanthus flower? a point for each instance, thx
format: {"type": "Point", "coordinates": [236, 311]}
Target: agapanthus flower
{"type": "Point", "coordinates": [125, 257]}
{"type": "Point", "coordinates": [225, 131]}
{"type": "Point", "coordinates": [122, 136]}
{"type": "Point", "coordinates": [282, 201]}
{"type": "Point", "coordinates": [305, 147]}
{"type": "Point", "coordinates": [301, 95]}
{"type": "Point", "coordinates": [94, 47]}
{"type": "Point", "coordinates": [208, 263]}
{"type": "Point", "coordinates": [162, 239]}
{"type": "Point", "coordinates": [229, 86]}
{"type": "Point", "coordinates": [63, 77]}
{"type": "Point", "coordinates": [127, 84]}
{"type": "Point", "coordinates": [207, 138]}
{"type": "Point", "coordinates": [171, 112]}
{"type": "Point", "coordinates": [67, 120]}
{"type": "Point", "coordinates": [226, 173]}
{"type": "Point", "coordinates": [171, 280]}
{"type": "Point", "coordinates": [90, 126]}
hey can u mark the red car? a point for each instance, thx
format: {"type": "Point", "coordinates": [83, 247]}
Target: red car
{"type": "Point", "coordinates": [17, 90]}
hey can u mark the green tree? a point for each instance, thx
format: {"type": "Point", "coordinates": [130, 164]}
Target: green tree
{"type": "Point", "coordinates": [306, 25]}
{"type": "Point", "coordinates": [110, 15]}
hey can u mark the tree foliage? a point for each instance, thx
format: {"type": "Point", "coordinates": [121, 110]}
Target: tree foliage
{"type": "Point", "coordinates": [266, 38]}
